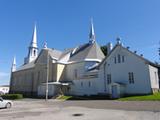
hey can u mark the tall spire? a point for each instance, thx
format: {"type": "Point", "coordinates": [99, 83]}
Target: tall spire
{"type": "Point", "coordinates": [92, 37]}
{"type": "Point", "coordinates": [13, 68]}
{"type": "Point", "coordinates": [33, 48]}
{"type": "Point", "coordinates": [34, 38]}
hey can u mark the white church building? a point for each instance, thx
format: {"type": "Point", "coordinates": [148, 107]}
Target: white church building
{"type": "Point", "coordinates": [84, 70]}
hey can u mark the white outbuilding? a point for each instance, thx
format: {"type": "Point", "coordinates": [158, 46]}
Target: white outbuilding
{"type": "Point", "coordinates": [123, 72]}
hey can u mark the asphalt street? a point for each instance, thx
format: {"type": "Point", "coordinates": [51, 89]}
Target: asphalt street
{"type": "Point", "coordinates": [35, 109]}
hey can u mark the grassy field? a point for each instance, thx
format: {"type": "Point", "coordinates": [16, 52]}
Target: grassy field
{"type": "Point", "coordinates": [95, 97]}
{"type": "Point", "coordinates": [63, 97]}
{"type": "Point", "coordinates": [154, 97]}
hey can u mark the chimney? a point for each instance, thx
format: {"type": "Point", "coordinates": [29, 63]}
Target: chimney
{"type": "Point", "coordinates": [109, 47]}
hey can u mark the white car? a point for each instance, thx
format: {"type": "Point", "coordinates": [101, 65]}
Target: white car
{"type": "Point", "coordinates": [5, 103]}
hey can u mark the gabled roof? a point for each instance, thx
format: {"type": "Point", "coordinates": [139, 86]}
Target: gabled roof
{"type": "Point", "coordinates": [87, 51]}
{"type": "Point", "coordinates": [54, 53]}
{"type": "Point", "coordinates": [141, 57]}
{"type": "Point", "coordinates": [68, 51]}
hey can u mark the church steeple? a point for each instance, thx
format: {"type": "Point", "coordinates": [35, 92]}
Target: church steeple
{"type": "Point", "coordinates": [13, 68]}
{"type": "Point", "coordinates": [33, 48]}
{"type": "Point", "coordinates": [34, 38]}
{"type": "Point", "coordinates": [92, 37]}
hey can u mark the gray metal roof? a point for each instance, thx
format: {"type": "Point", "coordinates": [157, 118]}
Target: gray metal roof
{"type": "Point", "coordinates": [87, 51]}
{"type": "Point", "coordinates": [26, 66]}
{"type": "Point", "coordinates": [80, 53]}
{"type": "Point", "coordinates": [65, 53]}
{"type": "Point", "coordinates": [54, 53]}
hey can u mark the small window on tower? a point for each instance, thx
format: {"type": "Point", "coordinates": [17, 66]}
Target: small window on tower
{"type": "Point", "coordinates": [34, 52]}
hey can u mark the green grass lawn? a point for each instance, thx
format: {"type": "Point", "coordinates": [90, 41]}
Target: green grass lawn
{"type": "Point", "coordinates": [93, 97]}
{"type": "Point", "coordinates": [154, 97]}
{"type": "Point", "coordinates": [63, 97]}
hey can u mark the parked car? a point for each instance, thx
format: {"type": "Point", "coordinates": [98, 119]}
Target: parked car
{"type": "Point", "coordinates": [5, 103]}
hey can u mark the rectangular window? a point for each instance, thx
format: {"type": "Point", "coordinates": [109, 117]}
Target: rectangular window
{"type": "Point", "coordinates": [123, 59]}
{"type": "Point", "coordinates": [131, 77]}
{"type": "Point", "coordinates": [38, 75]}
{"type": "Point", "coordinates": [75, 73]}
{"type": "Point", "coordinates": [115, 60]}
{"type": "Point", "coordinates": [81, 84]}
{"type": "Point", "coordinates": [119, 58]}
{"type": "Point", "coordinates": [89, 84]}
{"type": "Point", "coordinates": [109, 79]}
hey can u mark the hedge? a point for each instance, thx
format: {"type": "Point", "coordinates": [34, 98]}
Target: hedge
{"type": "Point", "coordinates": [12, 96]}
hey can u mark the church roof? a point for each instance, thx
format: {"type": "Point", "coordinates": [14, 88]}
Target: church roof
{"type": "Point", "coordinates": [85, 52]}
{"type": "Point", "coordinates": [55, 54]}
{"type": "Point", "coordinates": [26, 66]}
{"type": "Point", "coordinates": [91, 52]}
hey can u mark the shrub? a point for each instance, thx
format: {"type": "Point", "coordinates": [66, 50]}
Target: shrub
{"type": "Point", "coordinates": [12, 96]}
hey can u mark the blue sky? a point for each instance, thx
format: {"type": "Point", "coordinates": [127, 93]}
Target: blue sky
{"type": "Point", "coordinates": [65, 23]}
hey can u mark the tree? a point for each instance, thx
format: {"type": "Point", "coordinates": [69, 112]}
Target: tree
{"type": "Point", "coordinates": [104, 49]}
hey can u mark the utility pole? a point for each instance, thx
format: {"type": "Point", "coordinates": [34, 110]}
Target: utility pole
{"type": "Point", "coordinates": [47, 75]}
{"type": "Point", "coordinates": [159, 52]}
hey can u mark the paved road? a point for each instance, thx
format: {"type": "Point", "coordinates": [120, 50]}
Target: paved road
{"type": "Point", "coordinates": [31, 109]}
{"type": "Point", "coordinates": [113, 104]}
